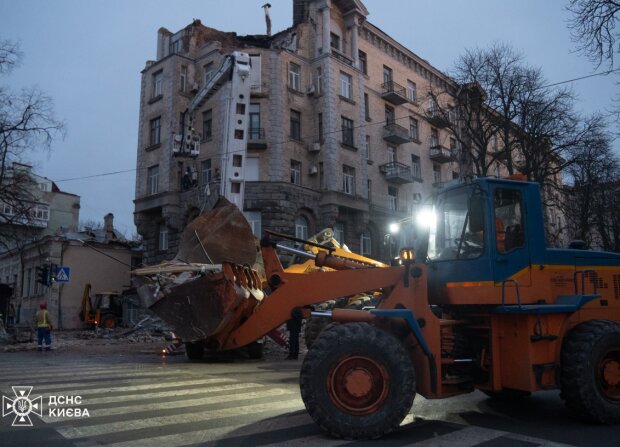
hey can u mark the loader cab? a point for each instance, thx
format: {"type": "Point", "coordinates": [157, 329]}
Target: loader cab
{"type": "Point", "coordinates": [478, 236]}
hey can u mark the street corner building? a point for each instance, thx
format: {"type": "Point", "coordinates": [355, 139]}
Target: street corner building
{"type": "Point", "coordinates": [47, 260]}
{"type": "Point", "coordinates": [338, 131]}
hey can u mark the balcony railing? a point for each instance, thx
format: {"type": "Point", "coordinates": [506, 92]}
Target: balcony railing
{"type": "Point", "coordinates": [441, 154]}
{"type": "Point", "coordinates": [396, 172]}
{"type": "Point", "coordinates": [256, 138]}
{"type": "Point", "coordinates": [395, 134]}
{"type": "Point", "coordinates": [438, 118]}
{"type": "Point", "coordinates": [341, 57]}
{"type": "Point", "coordinates": [394, 93]}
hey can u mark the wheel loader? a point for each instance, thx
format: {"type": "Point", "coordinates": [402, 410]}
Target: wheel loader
{"type": "Point", "coordinates": [480, 303]}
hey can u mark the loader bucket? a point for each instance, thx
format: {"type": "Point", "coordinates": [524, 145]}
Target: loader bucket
{"type": "Point", "coordinates": [220, 235]}
{"type": "Point", "coordinates": [205, 307]}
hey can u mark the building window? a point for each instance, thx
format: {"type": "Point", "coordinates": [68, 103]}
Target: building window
{"type": "Point", "coordinates": [365, 244]}
{"type": "Point", "coordinates": [346, 85]}
{"type": "Point", "coordinates": [366, 107]}
{"type": "Point", "coordinates": [413, 129]}
{"type": "Point", "coordinates": [320, 123]}
{"type": "Point", "coordinates": [363, 61]}
{"type": "Point", "coordinates": [158, 83]}
{"type": "Point", "coordinates": [163, 238]}
{"type": "Point", "coordinates": [393, 198]}
{"type": "Point", "coordinates": [339, 232]}
{"type": "Point", "coordinates": [41, 212]}
{"type": "Point", "coordinates": [348, 180]}
{"type": "Point", "coordinates": [391, 154]}
{"type": "Point", "coordinates": [319, 81]}
{"type": "Point", "coordinates": [254, 131]}
{"type": "Point", "coordinates": [390, 116]}
{"type": "Point", "coordinates": [369, 189]}
{"type": "Point", "coordinates": [334, 41]}
{"type": "Point", "coordinates": [367, 147]}
{"type": "Point", "coordinates": [434, 137]}
{"type": "Point", "coordinates": [301, 228]}
{"type": "Point", "coordinates": [295, 125]}
{"type": "Point", "coordinates": [208, 72]}
{"type": "Point", "coordinates": [452, 145]}
{"type": "Point", "coordinates": [183, 86]}
{"type": "Point", "coordinates": [206, 171]}
{"type": "Point", "coordinates": [207, 124]}
{"type": "Point", "coordinates": [347, 131]}
{"type": "Point", "coordinates": [152, 180]}
{"type": "Point", "coordinates": [295, 172]}
{"type": "Point", "coordinates": [412, 91]}
{"type": "Point", "coordinates": [237, 161]}
{"type": "Point", "coordinates": [254, 218]}
{"type": "Point", "coordinates": [416, 170]}
{"type": "Point", "coordinates": [387, 77]}
{"type": "Point", "coordinates": [176, 43]}
{"type": "Point", "coordinates": [155, 131]}
{"type": "Point", "coordinates": [294, 76]}
{"type": "Point", "coordinates": [436, 173]}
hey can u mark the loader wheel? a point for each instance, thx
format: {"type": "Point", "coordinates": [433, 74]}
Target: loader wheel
{"type": "Point", "coordinates": [108, 321]}
{"type": "Point", "coordinates": [194, 351]}
{"type": "Point", "coordinates": [590, 374]}
{"type": "Point", "coordinates": [313, 328]}
{"type": "Point", "coordinates": [357, 381]}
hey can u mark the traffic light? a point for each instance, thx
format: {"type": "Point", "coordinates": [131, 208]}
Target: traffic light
{"type": "Point", "coordinates": [43, 275]}
{"type": "Point", "coordinates": [52, 273]}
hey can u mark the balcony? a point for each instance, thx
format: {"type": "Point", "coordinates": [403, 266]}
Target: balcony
{"type": "Point", "coordinates": [394, 93]}
{"type": "Point", "coordinates": [438, 118]}
{"type": "Point", "coordinates": [441, 154]}
{"type": "Point", "coordinates": [395, 134]}
{"type": "Point", "coordinates": [396, 172]}
{"type": "Point", "coordinates": [256, 138]}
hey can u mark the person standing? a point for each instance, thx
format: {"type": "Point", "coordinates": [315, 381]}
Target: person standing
{"type": "Point", "coordinates": [44, 328]}
{"type": "Point", "coordinates": [294, 327]}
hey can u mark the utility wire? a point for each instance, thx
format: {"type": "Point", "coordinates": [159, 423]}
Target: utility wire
{"type": "Point", "coordinates": [289, 140]}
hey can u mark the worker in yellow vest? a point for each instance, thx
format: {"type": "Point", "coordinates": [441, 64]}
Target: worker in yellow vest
{"type": "Point", "coordinates": [44, 328]}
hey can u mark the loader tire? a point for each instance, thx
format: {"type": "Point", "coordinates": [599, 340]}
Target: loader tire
{"type": "Point", "coordinates": [194, 351]}
{"type": "Point", "coordinates": [313, 328]}
{"type": "Point", "coordinates": [357, 381]}
{"type": "Point", "coordinates": [590, 371]}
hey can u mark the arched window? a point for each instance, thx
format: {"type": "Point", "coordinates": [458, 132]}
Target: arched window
{"type": "Point", "coordinates": [301, 228]}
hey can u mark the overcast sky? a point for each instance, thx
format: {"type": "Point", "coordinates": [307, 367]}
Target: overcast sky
{"type": "Point", "coordinates": [87, 55]}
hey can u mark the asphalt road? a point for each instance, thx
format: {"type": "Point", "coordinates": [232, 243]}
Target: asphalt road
{"type": "Point", "coordinates": [145, 400]}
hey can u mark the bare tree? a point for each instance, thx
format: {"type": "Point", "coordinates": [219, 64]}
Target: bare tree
{"type": "Point", "coordinates": [592, 185]}
{"type": "Point", "coordinates": [27, 123]}
{"type": "Point", "coordinates": [594, 28]}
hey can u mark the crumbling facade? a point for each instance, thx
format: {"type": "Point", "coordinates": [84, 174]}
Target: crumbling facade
{"type": "Point", "coordinates": [341, 130]}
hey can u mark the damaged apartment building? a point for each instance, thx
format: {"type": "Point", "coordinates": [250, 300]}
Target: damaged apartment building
{"type": "Point", "coordinates": [339, 131]}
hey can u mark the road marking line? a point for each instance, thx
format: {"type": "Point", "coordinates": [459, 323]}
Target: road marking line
{"type": "Point", "coordinates": [467, 437]}
{"type": "Point", "coordinates": [187, 403]}
{"type": "Point", "coordinates": [146, 396]}
{"type": "Point", "coordinates": [85, 391]}
{"type": "Point", "coordinates": [87, 375]}
{"type": "Point", "coordinates": [162, 421]}
{"type": "Point", "coordinates": [219, 434]}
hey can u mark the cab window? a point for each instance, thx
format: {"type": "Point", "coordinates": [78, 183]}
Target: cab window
{"type": "Point", "coordinates": [509, 228]}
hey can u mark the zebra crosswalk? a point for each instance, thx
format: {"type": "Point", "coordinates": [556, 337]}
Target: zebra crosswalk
{"type": "Point", "coordinates": [180, 404]}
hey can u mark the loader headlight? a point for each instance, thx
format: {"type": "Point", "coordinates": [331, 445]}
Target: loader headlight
{"type": "Point", "coordinates": [407, 255]}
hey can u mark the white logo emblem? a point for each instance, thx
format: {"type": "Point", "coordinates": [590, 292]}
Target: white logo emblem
{"type": "Point", "coordinates": [22, 406]}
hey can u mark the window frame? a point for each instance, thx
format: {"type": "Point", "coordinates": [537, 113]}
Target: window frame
{"type": "Point", "coordinates": [152, 180]}
{"type": "Point", "coordinates": [294, 76]}
{"type": "Point", "coordinates": [158, 84]}
{"type": "Point", "coordinates": [155, 131]}
{"type": "Point", "coordinates": [348, 131]}
{"type": "Point", "coordinates": [346, 85]}
{"type": "Point", "coordinates": [348, 180]}
{"type": "Point", "coordinates": [296, 172]}
{"type": "Point", "coordinates": [295, 125]}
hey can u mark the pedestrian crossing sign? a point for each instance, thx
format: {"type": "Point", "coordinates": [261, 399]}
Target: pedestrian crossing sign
{"type": "Point", "coordinates": [63, 273]}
